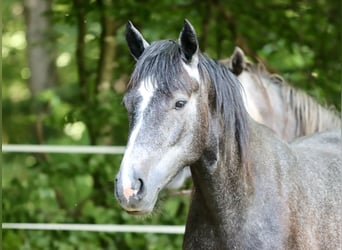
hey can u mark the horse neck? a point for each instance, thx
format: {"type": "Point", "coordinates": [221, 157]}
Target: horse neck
{"type": "Point", "coordinates": [289, 112]}
{"type": "Point", "coordinates": [220, 191]}
{"type": "Point", "coordinates": [262, 101]}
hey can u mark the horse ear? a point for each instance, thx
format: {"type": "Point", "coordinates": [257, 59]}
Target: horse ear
{"type": "Point", "coordinates": [237, 61]}
{"type": "Point", "coordinates": [188, 41]}
{"type": "Point", "coordinates": [136, 42]}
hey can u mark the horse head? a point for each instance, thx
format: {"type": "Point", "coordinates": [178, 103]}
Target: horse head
{"type": "Point", "coordinates": [167, 128]}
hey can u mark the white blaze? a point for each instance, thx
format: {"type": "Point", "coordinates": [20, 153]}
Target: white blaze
{"type": "Point", "coordinates": [146, 91]}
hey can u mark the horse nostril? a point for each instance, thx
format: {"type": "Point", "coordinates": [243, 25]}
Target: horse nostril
{"type": "Point", "coordinates": [140, 187]}
{"type": "Point", "coordinates": [117, 178]}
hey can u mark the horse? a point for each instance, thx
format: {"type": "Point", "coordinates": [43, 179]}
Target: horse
{"type": "Point", "coordinates": [251, 189]}
{"type": "Point", "coordinates": [271, 101]}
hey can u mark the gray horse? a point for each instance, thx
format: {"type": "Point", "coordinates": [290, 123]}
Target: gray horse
{"type": "Point", "coordinates": [271, 101]}
{"type": "Point", "coordinates": [251, 189]}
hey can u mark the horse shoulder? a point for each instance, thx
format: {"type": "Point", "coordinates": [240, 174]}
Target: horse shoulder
{"type": "Point", "coordinates": [301, 181]}
{"type": "Point", "coordinates": [317, 189]}
{"type": "Point", "coordinates": [271, 160]}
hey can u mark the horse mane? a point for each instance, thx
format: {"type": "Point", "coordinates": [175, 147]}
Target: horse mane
{"type": "Point", "coordinates": [228, 100]}
{"type": "Point", "coordinates": [162, 60]}
{"type": "Point", "coordinates": [310, 116]}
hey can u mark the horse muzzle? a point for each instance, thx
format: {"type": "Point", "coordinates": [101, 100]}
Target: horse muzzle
{"type": "Point", "coordinates": [132, 196]}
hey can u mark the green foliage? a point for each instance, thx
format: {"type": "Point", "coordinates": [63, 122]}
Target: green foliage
{"type": "Point", "coordinates": [77, 189]}
{"type": "Point", "coordinates": [298, 39]}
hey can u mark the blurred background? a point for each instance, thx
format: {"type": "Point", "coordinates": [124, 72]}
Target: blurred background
{"type": "Point", "coordinates": [65, 69]}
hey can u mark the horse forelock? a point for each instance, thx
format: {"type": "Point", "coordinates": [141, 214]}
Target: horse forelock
{"type": "Point", "coordinates": [161, 62]}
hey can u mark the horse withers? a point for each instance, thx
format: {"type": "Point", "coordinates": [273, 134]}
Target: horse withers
{"type": "Point", "coordinates": [251, 189]}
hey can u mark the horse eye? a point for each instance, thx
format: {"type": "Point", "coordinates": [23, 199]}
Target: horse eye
{"type": "Point", "coordinates": [180, 104]}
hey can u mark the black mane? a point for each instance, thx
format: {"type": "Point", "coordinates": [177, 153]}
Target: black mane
{"type": "Point", "coordinates": [228, 100]}
{"type": "Point", "coordinates": [162, 60]}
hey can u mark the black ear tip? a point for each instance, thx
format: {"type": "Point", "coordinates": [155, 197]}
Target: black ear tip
{"type": "Point", "coordinates": [187, 25]}
{"type": "Point", "coordinates": [188, 41]}
{"type": "Point", "coordinates": [237, 61]}
{"type": "Point", "coordinates": [129, 25]}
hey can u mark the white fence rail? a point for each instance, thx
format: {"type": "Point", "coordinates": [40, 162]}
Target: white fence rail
{"type": "Point", "coordinates": [157, 229]}
{"type": "Point", "coordinates": [25, 148]}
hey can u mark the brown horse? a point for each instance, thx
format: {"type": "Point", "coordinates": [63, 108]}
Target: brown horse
{"type": "Point", "coordinates": [251, 189]}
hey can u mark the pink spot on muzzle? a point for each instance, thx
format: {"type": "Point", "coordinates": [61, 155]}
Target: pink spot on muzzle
{"type": "Point", "coordinates": [128, 192]}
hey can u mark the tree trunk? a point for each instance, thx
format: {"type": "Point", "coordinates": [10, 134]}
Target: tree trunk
{"type": "Point", "coordinates": [40, 56]}
{"type": "Point", "coordinates": [107, 46]}
{"type": "Point", "coordinates": [39, 45]}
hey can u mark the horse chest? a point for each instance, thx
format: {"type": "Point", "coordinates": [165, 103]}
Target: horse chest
{"type": "Point", "coordinates": [256, 227]}
{"type": "Point", "coordinates": [230, 235]}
